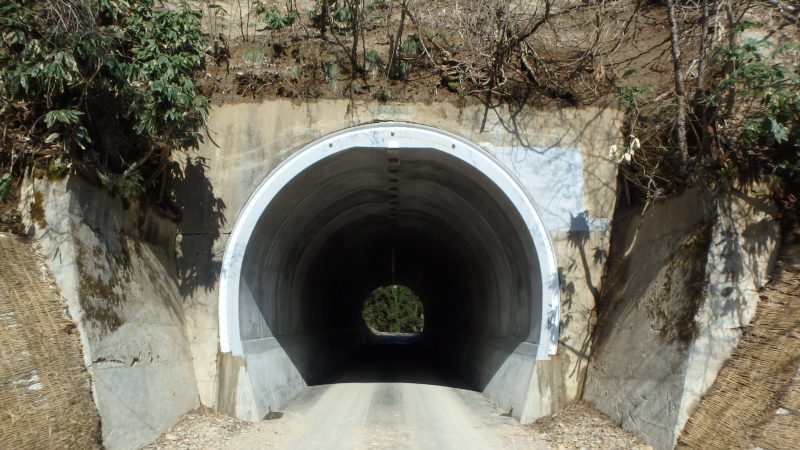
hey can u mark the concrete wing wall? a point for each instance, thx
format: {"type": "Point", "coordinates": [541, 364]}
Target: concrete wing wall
{"type": "Point", "coordinates": [115, 267]}
{"type": "Point", "coordinates": [683, 283]}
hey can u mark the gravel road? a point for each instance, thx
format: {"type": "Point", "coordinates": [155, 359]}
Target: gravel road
{"type": "Point", "coordinates": [388, 398]}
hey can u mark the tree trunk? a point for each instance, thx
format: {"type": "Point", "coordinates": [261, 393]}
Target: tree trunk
{"type": "Point", "coordinates": [393, 69]}
{"type": "Point", "coordinates": [324, 16]}
{"type": "Point", "coordinates": [680, 89]}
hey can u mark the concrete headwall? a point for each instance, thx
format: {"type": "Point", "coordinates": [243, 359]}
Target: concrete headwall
{"type": "Point", "coordinates": [682, 282]}
{"type": "Point", "coordinates": [145, 291]}
{"type": "Point", "coordinates": [559, 156]}
{"type": "Point", "coordinates": [115, 266]}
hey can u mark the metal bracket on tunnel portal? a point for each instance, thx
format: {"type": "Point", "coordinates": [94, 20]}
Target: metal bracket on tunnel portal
{"type": "Point", "coordinates": [390, 135]}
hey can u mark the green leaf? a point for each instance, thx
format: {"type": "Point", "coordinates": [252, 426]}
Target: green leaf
{"type": "Point", "coordinates": [409, 46]}
{"type": "Point", "coordinates": [254, 55]}
{"type": "Point", "coordinates": [779, 132]}
{"type": "Point", "coordinates": [5, 186]}
{"type": "Point", "coordinates": [139, 57]}
{"type": "Point", "coordinates": [631, 71]}
{"type": "Point", "coordinates": [62, 116]}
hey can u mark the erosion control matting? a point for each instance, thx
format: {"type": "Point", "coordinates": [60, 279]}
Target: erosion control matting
{"type": "Point", "coordinates": [45, 393]}
{"type": "Point", "coordinates": [755, 401]}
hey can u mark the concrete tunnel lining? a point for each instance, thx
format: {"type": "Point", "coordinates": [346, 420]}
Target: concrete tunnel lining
{"type": "Point", "coordinates": [328, 216]}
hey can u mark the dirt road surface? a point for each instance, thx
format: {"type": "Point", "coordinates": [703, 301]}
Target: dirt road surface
{"type": "Point", "coordinates": [392, 397]}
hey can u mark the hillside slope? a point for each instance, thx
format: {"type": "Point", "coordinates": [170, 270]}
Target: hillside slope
{"type": "Point", "coordinates": [45, 396]}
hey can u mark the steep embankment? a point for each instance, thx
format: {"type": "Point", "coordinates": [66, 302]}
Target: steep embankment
{"type": "Point", "coordinates": [755, 401]}
{"type": "Point", "coordinates": [45, 396]}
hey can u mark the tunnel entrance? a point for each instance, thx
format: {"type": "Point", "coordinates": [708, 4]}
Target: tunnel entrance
{"type": "Point", "coordinates": [393, 309]}
{"type": "Point", "coordinates": [379, 205]}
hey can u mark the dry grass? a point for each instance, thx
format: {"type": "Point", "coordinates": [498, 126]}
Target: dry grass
{"type": "Point", "coordinates": [755, 400]}
{"type": "Point", "coordinates": [45, 395]}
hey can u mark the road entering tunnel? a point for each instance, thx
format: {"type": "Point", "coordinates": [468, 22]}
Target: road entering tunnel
{"type": "Point", "coordinates": [372, 206]}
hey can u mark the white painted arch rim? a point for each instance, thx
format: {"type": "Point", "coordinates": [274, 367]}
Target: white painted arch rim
{"type": "Point", "coordinates": [387, 135]}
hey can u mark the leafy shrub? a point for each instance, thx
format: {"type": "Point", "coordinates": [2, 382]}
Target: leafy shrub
{"type": "Point", "coordinates": [332, 72]}
{"type": "Point", "coordinates": [131, 185]}
{"type": "Point", "coordinates": [760, 97]}
{"type": "Point", "coordinates": [5, 186]}
{"type": "Point", "coordinates": [409, 46]}
{"type": "Point", "coordinates": [93, 68]}
{"type": "Point", "coordinates": [628, 96]}
{"type": "Point", "coordinates": [743, 125]}
{"type": "Point", "coordinates": [339, 13]}
{"type": "Point", "coordinates": [394, 309]}
{"type": "Point", "coordinates": [254, 55]}
{"type": "Point", "coordinates": [383, 94]}
{"type": "Point", "coordinates": [272, 17]}
{"type": "Point", "coordinates": [372, 60]}
{"type": "Point", "coordinates": [57, 170]}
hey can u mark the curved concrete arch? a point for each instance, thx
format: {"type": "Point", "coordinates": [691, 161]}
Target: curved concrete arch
{"type": "Point", "coordinates": [390, 136]}
{"type": "Point", "coordinates": [382, 204]}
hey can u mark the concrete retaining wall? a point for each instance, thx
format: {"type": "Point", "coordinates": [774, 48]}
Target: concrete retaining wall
{"type": "Point", "coordinates": [683, 281]}
{"type": "Point", "coordinates": [115, 267]}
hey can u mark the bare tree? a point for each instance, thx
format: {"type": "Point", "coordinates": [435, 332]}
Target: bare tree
{"type": "Point", "coordinates": [680, 85]}
{"type": "Point", "coordinates": [393, 69]}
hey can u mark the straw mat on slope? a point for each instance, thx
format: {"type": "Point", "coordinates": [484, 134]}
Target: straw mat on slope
{"type": "Point", "coordinates": [755, 401]}
{"type": "Point", "coordinates": [45, 396]}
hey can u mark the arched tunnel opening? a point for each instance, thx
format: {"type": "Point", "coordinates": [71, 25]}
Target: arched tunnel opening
{"type": "Point", "coordinates": [395, 308]}
{"type": "Point", "coordinates": [387, 213]}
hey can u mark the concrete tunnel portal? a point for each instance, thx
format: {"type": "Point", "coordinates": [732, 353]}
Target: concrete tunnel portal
{"type": "Point", "coordinates": [374, 205]}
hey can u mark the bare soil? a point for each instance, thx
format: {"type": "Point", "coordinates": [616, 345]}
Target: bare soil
{"type": "Point", "coordinates": [249, 63]}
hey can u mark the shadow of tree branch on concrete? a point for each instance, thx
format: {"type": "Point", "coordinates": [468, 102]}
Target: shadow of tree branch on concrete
{"type": "Point", "coordinates": [202, 215]}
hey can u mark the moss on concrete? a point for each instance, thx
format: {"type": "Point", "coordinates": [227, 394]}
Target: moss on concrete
{"type": "Point", "coordinates": [37, 209]}
{"type": "Point", "coordinates": [683, 289]}
{"type": "Point", "coordinates": [99, 298]}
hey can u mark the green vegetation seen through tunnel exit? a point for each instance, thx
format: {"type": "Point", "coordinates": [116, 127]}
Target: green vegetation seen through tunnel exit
{"type": "Point", "coordinates": [393, 309]}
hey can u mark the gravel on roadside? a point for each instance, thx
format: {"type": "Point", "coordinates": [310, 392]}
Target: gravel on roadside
{"type": "Point", "coordinates": [202, 428]}
{"type": "Point", "coordinates": [580, 426]}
